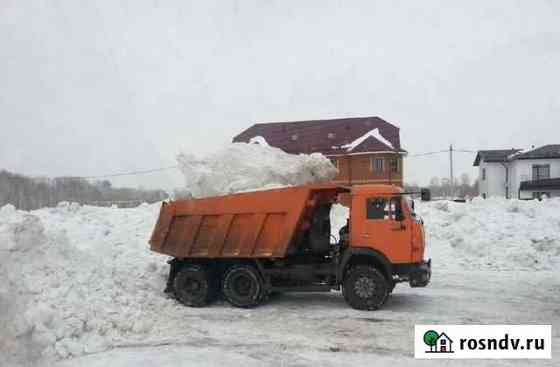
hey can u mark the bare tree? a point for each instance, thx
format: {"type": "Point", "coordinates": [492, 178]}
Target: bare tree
{"type": "Point", "coordinates": [28, 193]}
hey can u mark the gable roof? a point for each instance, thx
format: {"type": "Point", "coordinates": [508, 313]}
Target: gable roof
{"type": "Point", "coordinates": [444, 335]}
{"type": "Point", "coordinates": [330, 137]}
{"type": "Point", "coordinates": [544, 152]}
{"type": "Point", "coordinates": [495, 155]}
{"type": "Point", "coordinates": [550, 151]}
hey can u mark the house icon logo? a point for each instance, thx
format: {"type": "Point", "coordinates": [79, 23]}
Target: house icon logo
{"type": "Point", "coordinates": [438, 342]}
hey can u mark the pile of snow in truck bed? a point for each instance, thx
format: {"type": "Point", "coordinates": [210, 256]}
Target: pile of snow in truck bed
{"type": "Point", "coordinates": [243, 167]}
{"type": "Point", "coordinates": [81, 279]}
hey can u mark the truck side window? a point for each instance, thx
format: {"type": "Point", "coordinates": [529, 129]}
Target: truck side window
{"type": "Point", "coordinates": [377, 208]}
{"type": "Point", "coordinates": [396, 209]}
{"type": "Point", "coordinates": [380, 208]}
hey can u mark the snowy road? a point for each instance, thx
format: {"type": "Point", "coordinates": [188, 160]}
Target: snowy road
{"type": "Point", "coordinates": [320, 329]}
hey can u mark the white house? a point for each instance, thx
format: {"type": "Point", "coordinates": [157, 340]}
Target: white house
{"type": "Point", "coordinates": [517, 174]}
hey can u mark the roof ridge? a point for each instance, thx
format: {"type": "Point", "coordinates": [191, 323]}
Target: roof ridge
{"type": "Point", "coordinates": [374, 134]}
{"type": "Point", "coordinates": [334, 119]}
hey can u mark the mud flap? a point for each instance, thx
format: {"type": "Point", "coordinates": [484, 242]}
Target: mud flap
{"type": "Point", "coordinates": [421, 275]}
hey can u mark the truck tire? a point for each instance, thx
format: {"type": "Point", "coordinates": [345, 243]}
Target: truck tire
{"type": "Point", "coordinates": [242, 286]}
{"type": "Point", "coordinates": [192, 286]}
{"type": "Point", "coordinates": [365, 288]}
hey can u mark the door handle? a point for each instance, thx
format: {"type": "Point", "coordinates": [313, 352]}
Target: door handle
{"type": "Point", "coordinates": [366, 235]}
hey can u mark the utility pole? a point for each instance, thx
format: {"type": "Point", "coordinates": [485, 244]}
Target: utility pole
{"type": "Point", "coordinates": [451, 179]}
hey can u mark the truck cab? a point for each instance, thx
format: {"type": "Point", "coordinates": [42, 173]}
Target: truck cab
{"type": "Point", "coordinates": [386, 231]}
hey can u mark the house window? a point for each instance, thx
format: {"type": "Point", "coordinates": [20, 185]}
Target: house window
{"type": "Point", "coordinates": [377, 165]}
{"type": "Point", "coordinates": [484, 195]}
{"type": "Point", "coordinates": [331, 135]}
{"type": "Point", "coordinates": [443, 341]}
{"type": "Point", "coordinates": [541, 171]}
{"type": "Point", "coordinates": [484, 174]}
{"type": "Point", "coordinates": [294, 137]}
{"type": "Point", "coordinates": [394, 164]}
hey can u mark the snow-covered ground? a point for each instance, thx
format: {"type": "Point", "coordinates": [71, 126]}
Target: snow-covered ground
{"type": "Point", "coordinates": [81, 288]}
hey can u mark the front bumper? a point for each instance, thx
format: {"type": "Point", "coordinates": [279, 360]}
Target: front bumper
{"type": "Point", "coordinates": [420, 275]}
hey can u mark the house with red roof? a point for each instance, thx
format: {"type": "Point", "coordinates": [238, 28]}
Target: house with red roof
{"type": "Point", "coordinates": [364, 149]}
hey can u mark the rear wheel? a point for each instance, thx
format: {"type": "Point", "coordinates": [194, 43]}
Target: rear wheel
{"type": "Point", "coordinates": [193, 286]}
{"type": "Point", "coordinates": [243, 287]}
{"type": "Point", "coordinates": [365, 288]}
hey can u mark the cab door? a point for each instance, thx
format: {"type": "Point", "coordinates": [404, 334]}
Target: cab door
{"type": "Point", "coordinates": [383, 225]}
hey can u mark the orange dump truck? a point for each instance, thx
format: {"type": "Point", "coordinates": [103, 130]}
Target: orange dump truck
{"type": "Point", "coordinates": [245, 246]}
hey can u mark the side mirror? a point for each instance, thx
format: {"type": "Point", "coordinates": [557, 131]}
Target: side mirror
{"type": "Point", "coordinates": [425, 194]}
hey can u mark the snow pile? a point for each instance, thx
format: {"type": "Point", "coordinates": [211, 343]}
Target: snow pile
{"type": "Point", "coordinates": [244, 167]}
{"type": "Point", "coordinates": [339, 216]}
{"type": "Point", "coordinates": [79, 280]}
{"type": "Point", "coordinates": [19, 234]}
{"type": "Point", "coordinates": [494, 234]}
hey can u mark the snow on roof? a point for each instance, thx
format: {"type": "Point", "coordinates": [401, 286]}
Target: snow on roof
{"type": "Point", "coordinates": [373, 134]}
{"type": "Point", "coordinates": [324, 136]}
{"type": "Point", "coordinates": [550, 151]}
{"type": "Point", "coordinates": [259, 140]}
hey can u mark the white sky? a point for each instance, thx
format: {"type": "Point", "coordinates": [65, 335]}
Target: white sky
{"type": "Point", "coordinates": [90, 88]}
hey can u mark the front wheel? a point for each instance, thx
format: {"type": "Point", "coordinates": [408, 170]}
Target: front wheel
{"type": "Point", "coordinates": [365, 288]}
{"type": "Point", "coordinates": [242, 286]}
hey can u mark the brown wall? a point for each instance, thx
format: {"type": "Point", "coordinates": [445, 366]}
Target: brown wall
{"type": "Point", "coordinates": [357, 169]}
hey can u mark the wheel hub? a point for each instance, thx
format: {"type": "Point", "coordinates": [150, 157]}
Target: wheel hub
{"type": "Point", "coordinates": [364, 287]}
{"type": "Point", "coordinates": [192, 285]}
{"type": "Point", "coordinates": [242, 286]}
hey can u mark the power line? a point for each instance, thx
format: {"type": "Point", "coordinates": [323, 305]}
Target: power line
{"type": "Point", "coordinates": [441, 151]}
{"type": "Point", "coordinates": [160, 169]}
{"type": "Point", "coordinates": [131, 173]}
{"type": "Point", "coordinates": [428, 153]}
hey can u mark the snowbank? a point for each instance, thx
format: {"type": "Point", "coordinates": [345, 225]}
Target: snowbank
{"type": "Point", "coordinates": [494, 234]}
{"type": "Point", "coordinates": [243, 167]}
{"type": "Point", "coordinates": [19, 233]}
{"type": "Point", "coordinates": [81, 279]}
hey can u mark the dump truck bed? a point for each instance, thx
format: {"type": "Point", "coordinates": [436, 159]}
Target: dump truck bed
{"type": "Point", "coordinates": [259, 224]}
